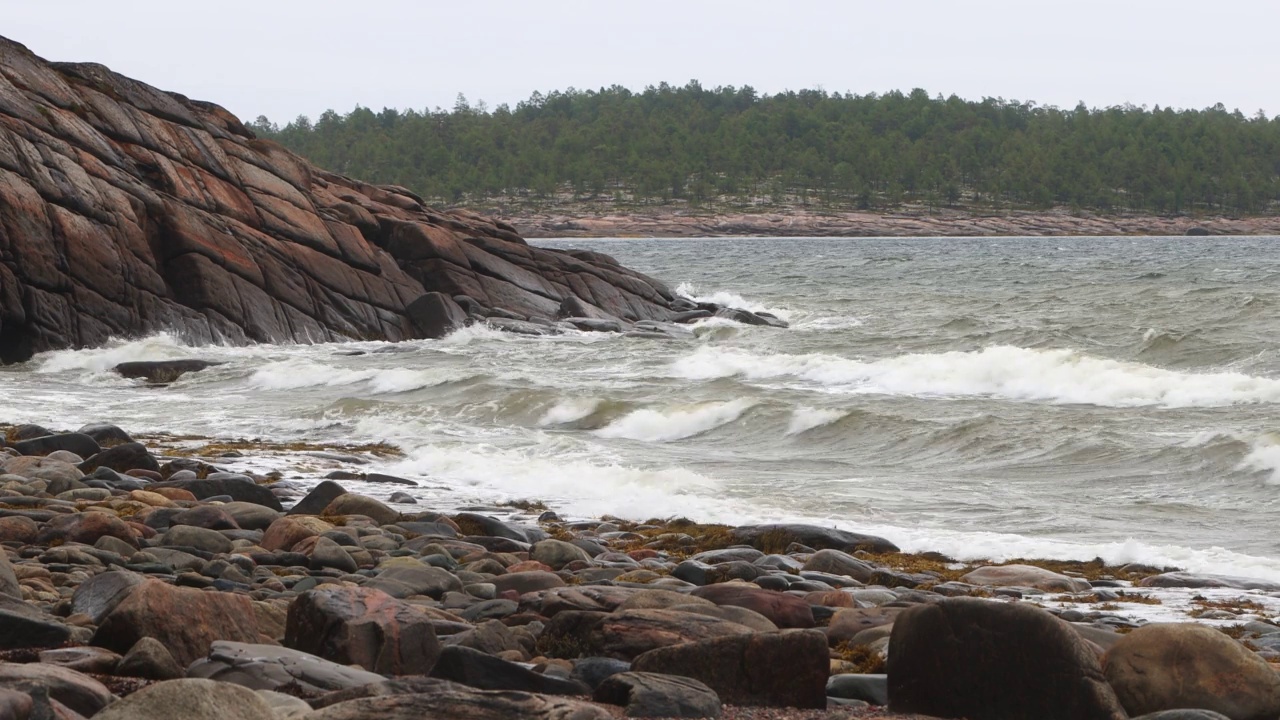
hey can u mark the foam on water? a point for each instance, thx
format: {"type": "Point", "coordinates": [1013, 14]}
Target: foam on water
{"type": "Point", "coordinates": [728, 299]}
{"type": "Point", "coordinates": [1265, 456]}
{"type": "Point", "coordinates": [575, 481]}
{"type": "Point", "coordinates": [678, 423]}
{"type": "Point", "coordinates": [807, 418]}
{"type": "Point", "coordinates": [164, 346]}
{"type": "Point", "coordinates": [1003, 371]}
{"type": "Point", "coordinates": [568, 411]}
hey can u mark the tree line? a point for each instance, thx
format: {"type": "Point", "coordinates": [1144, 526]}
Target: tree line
{"type": "Point", "coordinates": [732, 145]}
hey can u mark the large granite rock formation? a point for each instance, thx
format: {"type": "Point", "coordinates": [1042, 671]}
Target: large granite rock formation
{"type": "Point", "coordinates": [125, 210]}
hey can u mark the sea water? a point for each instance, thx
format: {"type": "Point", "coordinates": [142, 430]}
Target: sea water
{"type": "Point", "coordinates": [987, 398]}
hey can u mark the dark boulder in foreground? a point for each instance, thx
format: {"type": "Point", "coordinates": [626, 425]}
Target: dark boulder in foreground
{"type": "Point", "coordinates": [982, 660]}
{"type": "Point", "coordinates": [125, 211]}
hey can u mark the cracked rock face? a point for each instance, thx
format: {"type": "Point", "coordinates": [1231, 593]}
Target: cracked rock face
{"type": "Point", "coordinates": [126, 210]}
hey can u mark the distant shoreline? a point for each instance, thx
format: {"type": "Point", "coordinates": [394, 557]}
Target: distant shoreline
{"type": "Point", "coordinates": [668, 222]}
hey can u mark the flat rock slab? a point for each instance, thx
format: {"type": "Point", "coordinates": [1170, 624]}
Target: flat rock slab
{"type": "Point", "coordinates": [450, 701]}
{"type": "Point", "coordinates": [659, 696]}
{"type": "Point", "coordinates": [480, 670]}
{"type": "Point", "coordinates": [268, 667]}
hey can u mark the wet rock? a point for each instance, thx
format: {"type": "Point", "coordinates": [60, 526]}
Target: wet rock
{"type": "Point", "coordinates": [318, 499]}
{"type": "Point", "coordinates": [873, 689]}
{"type": "Point", "coordinates": [526, 582]}
{"type": "Point", "coordinates": [76, 690]}
{"type": "Point", "coordinates": [777, 536]}
{"type": "Point", "coordinates": [122, 458]}
{"type": "Point", "coordinates": [449, 701]}
{"type": "Point", "coordinates": [149, 658]}
{"type": "Point", "coordinates": [189, 536]}
{"type": "Point", "coordinates": [410, 578]}
{"type": "Point", "coordinates": [85, 528]}
{"type": "Point", "coordinates": [490, 527]}
{"type": "Point", "coordinates": [100, 594]}
{"type": "Point", "coordinates": [325, 553]}
{"type": "Point", "coordinates": [783, 610]}
{"type": "Point", "coordinates": [973, 658]}
{"type": "Point", "coordinates": [90, 660]}
{"type": "Point", "coordinates": [481, 670]}
{"type": "Point", "coordinates": [557, 553]}
{"type": "Point", "coordinates": [250, 516]}
{"type": "Point", "coordinates": [209, 517]}
{"type": "Point", "coordinates": [25, 626]}
{"type": "Point", "coordinates": [353, 504]}
{"type": "Point", "coordinates": [593, 670]}
{"type": "Point", "coordinates": [362, 626]}
{"type": "Point", "coordinates": [186, 620]}
{"type": "Point", "coordinates": [190, 699]}
{"type": "Point", "coordinates": [435, 315]}
{"type": "Point", "coordinates": [629, 633]}
{"type": "Point", "coordinates": [8, 580]}
{"type": "Point", "coordinates": [1025, 576]}
{"type": "Point", "coordinates": [289, 530]}
{"type": "Point", "coordinates": [839, 563]}
{"type": "Point", "coordinates": [1195, 580]}
{"type": "Point", "coordinates": [783, 669]}
{"type": "Point", "coordinates": [161, 372]}
{"type": "Point", "coordinates": [77, 443]}
{"type": "Point", "coordinates": [1184, 665]}
{"type": "Point", "coordinates": [238, 487]}
{"type": "Point", "coordinates": [268, 667]}
{"type": "Point", "coordinates": [646, 694]}
{"type": "Point", "coordinates": [105, 434]}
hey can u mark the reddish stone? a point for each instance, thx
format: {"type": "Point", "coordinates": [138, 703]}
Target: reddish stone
{"type": "Point", "coordinates": [186, 620]}
{"type": "Point", "coordinates": [786, 611]}
{"type": "Point", "coordinates": [86, 528]}
{"type": "Point", "coordinates": [365, 627]}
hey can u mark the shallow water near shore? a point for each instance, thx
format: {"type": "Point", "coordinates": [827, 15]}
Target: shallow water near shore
{"type": "Point", "coordinates": [987, 398]}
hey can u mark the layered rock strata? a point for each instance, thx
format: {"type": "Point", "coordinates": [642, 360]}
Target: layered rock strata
{"type": "Point", "coordinates": [126, 210]}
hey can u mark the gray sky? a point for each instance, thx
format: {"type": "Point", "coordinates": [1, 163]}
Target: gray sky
{"type": "Point", "coordinates": [282, 58]}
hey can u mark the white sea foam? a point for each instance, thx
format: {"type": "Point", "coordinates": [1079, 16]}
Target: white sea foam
{"type": "Point", "coordinates": [570, 410]}
{"type": "Point", "coordinates": [807, 418]}
{"type": "Point", "coordinates": [163, 346]}
{"type": "Point", "coordinates": [1061, 376]}
{"type": "Point", "coordinates": [298, 373]}
{"type": "Point", "coordinates": [576, 481]}
{"type": "Point", "coordinates": [1265, 456]}
{"type": "Point", "coordinates": [650, 425]}
{"type": "Point", "coordinates": [828, 323]}
{"type": "Point", "coordinates": [728, 299]}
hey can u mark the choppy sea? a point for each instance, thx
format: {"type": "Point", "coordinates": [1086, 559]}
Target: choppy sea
{"type": "Point", "coordinates": [987, 398]}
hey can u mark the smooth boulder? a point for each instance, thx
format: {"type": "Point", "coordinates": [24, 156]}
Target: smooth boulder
{"type": "Point", "coordinates": [1164, 666]}
{"type": "Point", "coordinates": [190, 699]}
{"type": "Point", "coordinates": [984, 660]}
{"type": "Point", "coordinates": [186, 620]}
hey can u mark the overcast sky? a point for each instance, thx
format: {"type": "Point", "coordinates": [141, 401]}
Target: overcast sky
{"type": "Point", "coordinates": [282, 58]}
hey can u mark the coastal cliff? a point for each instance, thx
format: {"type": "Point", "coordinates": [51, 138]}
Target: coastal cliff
{"type": "Point", "coordinates": [126, 210]}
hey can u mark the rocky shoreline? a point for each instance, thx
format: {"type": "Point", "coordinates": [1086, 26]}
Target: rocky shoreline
{"type": "Point", "coordinates": [164, 578]}
{"type": "Point", "coordinates": [908, 222]}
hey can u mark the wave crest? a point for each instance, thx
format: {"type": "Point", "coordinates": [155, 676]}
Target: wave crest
{"type": "Point", "coordinates": [1012, 373]}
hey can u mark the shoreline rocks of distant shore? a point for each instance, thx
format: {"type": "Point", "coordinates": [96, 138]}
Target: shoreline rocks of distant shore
{"type": "Point", "coordinates": [906, 222]}
{"type": "Point", "coordinates": [126, 591]}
